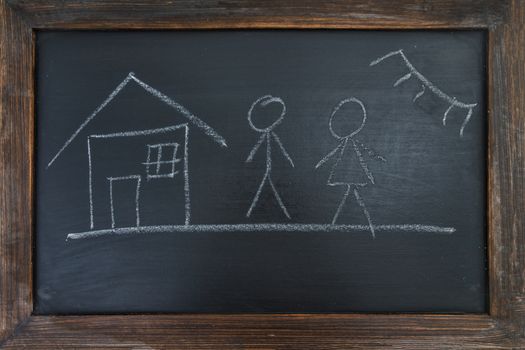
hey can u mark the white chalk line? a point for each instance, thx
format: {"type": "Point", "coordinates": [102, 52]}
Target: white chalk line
{"type": "Point", "coordinates": [341, 204]}
{"type": "Point", "coordinates": [148, 161]}
{"type": "Point", "coordinates": [256, 197]}
{"type": "Point", "coordinates": [382, 58]}
{"type": "Point", "coordinates": [140, 132]}
{"type": "Point", "coordinates": [91, 116]}
{"type": "Point", "coordinates": [437, 91]}
{"type": "Point", "coordinates": [361, 202]}
{"type": "Point", "coordinates": [268, 153]}
{"type": "Point", "coordinates": [90, 179]}
{"type": "Point", "coordinates": [163, 176]}
{"type": "Point", "coordinates": [208, 130]}
{"type": "Point", "coordinates": [329, 181]}
{"type": "Point", "coordinates": [163, 162]}
{"type": "Point", "coordinates": [266, 173]}
{"type": "Point", "coordinates": [279, 200]}
{"type": "Point", "coordinates": [403, 79]}
{"type": "Point", "coordinates": [419, 94]}
{"type": "Point", "coordinates": [137, 201]}
{"type": "Point", "coordinates": [285, 153]}
{"type": "Point", "coordinates": [255, 148]}
{"type": "Point", "coordinates": [336, 109]}
{"type": "Point", "coordinates": [173, 144]}
{"type": "Point", "coordinates": [330, 155]}
{"type": "Point", "coordinates": [445, 115]}
{"type": "Point", "coordinates": [127, 177]}
{"type": "Point", "coordinates": [159, 158]}
{"type": "Point", "coordinates": [111, 203]}
{"type": "Point", "coordinates": [467, 119]}
{"type": "Point", "coordinates": [265, 227]}
{"type": "Point", "coordinates": [363, 163]}
{"type": "Point", "coordinates": [265, 101]}
{"type": "Point", "coordinates": [371, 152]}
{"type": "Point", "coordinates": [187, 204]}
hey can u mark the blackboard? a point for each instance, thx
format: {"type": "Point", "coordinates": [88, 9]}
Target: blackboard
{"type": "Point", "coordinates": [369, 149]}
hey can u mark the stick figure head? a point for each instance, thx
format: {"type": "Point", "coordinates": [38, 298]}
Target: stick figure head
{"type": "Point", "coordinates": [361, 117]}
{"type": "Point", "coordinates": [261, 103]}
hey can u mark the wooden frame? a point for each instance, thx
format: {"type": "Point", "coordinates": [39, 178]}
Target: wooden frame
{"type": "Point", "coordinates": [502, 328]}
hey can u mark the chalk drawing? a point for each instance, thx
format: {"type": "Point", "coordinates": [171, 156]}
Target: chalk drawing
{"type": "Point", "coordinates": [413, 72]}
{"type": "Point", "coordinates": [208, 130]}
{"type": "Point", "coordinates": [148, 163]}
{"type": "Point", "coordinates": [358, 148]}
{"type": "Point", "coordinates": [90, 179]}
{"type": "Point", "coordinates": [264, 227]}
{"type": "Point", "coordinates": [91, 116]}
{"type": "Point", "coordinates": [419, 94]}
{"type": "Point", "coordinates": [187, 205]}
{"type": "Point", "coordinates": [172, 147]}
{"type": "Point", "coordinates": [161, 155]}
{"type": "Point", "coordinates": [267, 134]}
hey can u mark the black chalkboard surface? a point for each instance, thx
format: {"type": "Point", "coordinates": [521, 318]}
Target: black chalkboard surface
{"type": "Point", "coordinates": [260, 171]}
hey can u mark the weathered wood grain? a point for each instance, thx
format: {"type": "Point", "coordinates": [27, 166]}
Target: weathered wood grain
{"type": "Point", "coordinates": [503, 329]}
{"type": "Point", "coordinates": [262, 332]}
{"type": "Point", "coordinates": [16, 145]}
{"type": "Point", "coordinates": [261, 14]}
{"type": "Point", "coordinates": [507, 169]}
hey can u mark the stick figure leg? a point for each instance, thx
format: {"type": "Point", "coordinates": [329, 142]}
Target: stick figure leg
{"type": "Point", "coordinates": [281, 204]}
{"type": "Point", "coordinates": [256, 198]}
{"type": "Point", "coordinates": [365, 211]}
{"type": "Point", "coordinates": [341, 205]}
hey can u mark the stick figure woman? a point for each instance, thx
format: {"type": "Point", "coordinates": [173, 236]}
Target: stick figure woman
{"type": "Point", "coordinates": [267, 134]}
{"type": "Point", "coordinates": [356, 175]}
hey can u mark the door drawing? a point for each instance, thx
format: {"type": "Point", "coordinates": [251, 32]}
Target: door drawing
{"type": "Point", "coordinates": [124, 193]}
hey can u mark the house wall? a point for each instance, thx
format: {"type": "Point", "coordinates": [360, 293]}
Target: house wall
{"type": "Point", "coordinates": [161, 199]}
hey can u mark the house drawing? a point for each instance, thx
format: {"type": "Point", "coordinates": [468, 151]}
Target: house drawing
{"type": "Point", "coordinates": [128, 167]}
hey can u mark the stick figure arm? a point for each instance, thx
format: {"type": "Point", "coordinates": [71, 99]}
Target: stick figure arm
{"type": "Point", "coordinates": [371, 152]}
{"type": "Point", "coordinates": [362, 162]}
{"type": "Point", "coordinates": [286, 155]}
{"type": "Point", "coordinates": [328, 156]}
{"type": "Point", "coordinates": [255, 148]}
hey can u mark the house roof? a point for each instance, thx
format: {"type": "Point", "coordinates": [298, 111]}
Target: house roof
{"type": "Point", "coordinates": [208, 130]}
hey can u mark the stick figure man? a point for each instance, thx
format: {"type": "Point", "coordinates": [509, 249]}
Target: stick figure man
{"type": "Point", "coordinates": [357, 175]}
{"type": "Point", "coordinates": [267, 134]}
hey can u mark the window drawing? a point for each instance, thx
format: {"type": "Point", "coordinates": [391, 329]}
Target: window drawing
{"type": "Point", "coordinates": [162, 160]}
